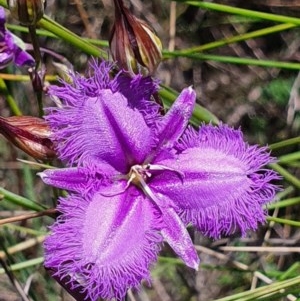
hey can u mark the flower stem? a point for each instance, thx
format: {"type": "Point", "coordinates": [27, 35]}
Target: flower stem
{"type": "Point", "coordinates": [243, 12]}
{"type": "Point", "coordinates": [10, 100]}
{"type": "Point", "coordinates": [19, 200]}
{"type": "Point", "coordinates": [38, 72]}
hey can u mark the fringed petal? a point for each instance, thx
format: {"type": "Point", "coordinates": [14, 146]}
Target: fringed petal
{"type": "Point", "coordinates": [138, 90]}
{"type": "Point", "coordinates": [101, 128]}
{"type": "Point", "coordinates": [105, 245]}
{"type": "Point", "coordinates": [222, 186]}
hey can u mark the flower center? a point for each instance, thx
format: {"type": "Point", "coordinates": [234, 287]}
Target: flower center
{"type": "Point", "coordinates": [139, 174]}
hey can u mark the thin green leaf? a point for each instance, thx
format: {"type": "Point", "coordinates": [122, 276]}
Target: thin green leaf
{"type": "Point", "coordinates": [20, 201]}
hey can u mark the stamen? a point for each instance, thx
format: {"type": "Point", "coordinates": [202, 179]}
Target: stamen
{"type": "Point", "coordinates": [158, 167]}
{"type": "Point", "coordinates": [138, 175]}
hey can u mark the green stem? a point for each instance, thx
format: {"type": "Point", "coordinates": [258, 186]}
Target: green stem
{"type": "Point", "coordinates": [24, 264]}
{"type": "Point", "coordinates": [292, 270]}
{"type": "Point", "coordinates": [36, 46]}
{"type": "Point", "coordinates": [46, 33]}
{"type": "Point", "coordinates": [284, 143]}
{"type": "Point", "coordinates": [254, 294]}
{"type": "Point", "coordinates": [19, 200]}
{"type": "Point", "coordinates": [238, 38]}
{"type": "Point", "coordinates": [290, 157]}
{"type": "Point", "coordinates": [283, 221]}
{"type": "Point", "coordinates": [234, 60]}
{"type": "Point", "coordinates": [38, 73]}
{"type": "Point", "coordinates": [243, 12]}
{"type": "Point", "coordinates": [71, 37]}
{"type": "Point", "coordinates": [10, 100]}
{"type": "Point", "coordinates": [284, 203]}
{"type": "Point", "coordinates": [287, 176]}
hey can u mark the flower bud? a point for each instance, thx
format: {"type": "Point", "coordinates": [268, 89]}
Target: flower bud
{"type": "Point", "coordinates": [133, 44]}
{"type": "Point", "coordinates": [27, 12]}
{"type": "Point", "coordinates": [30, 134]}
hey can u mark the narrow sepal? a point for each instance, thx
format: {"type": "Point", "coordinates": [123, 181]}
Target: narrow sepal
{"type": "Point", "coordinates": [176, 235]}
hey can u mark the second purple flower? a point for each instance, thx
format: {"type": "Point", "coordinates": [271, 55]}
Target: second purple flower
{"type": "Point", "coordinates": [11, 47]}
{"type": "Point", "coordinates": [137, 179]}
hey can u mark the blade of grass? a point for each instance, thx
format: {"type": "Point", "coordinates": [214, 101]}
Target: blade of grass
{"type": "Point", "coordinates": [67, 35]}
{"type": "Point", "coordinates": [243, 12]}
{"type": "Point", "coordinates": [286, 175]}
{"type": "Point", "coordinates": [238, 38]}
{"type": "Point", "coordinates": [283, 221]}
{"type": "Point", "coordinates": [10, 100]}
{"type": "Point", "coordinates": [46, 33]}
{"type": "Point", "coordinates": [289, 157]}
{"type": "Point", "coordinates": [234, 60]}
{"type": "Point", "coordinates": [19, 77]}
{"type": "Point", "coordinates": [263, 291]}
{"type": "Point", "coordinates": [284, 143]}
{"type": "Point", "coordinates": [22, 246]}
{"type": "Point", "coordinates": [284, 203]}
{"type": "Point", "coordinates": [20, 201]}
{"type": "Point", "coordinates": [24, 264]}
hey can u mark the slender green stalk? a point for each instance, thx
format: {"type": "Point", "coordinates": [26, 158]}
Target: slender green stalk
{"type": "Point", "coordinates": [286, 175]}
{"type": "Point", "coordinates": [284, 203]}
{"type": "Point", "coordinates": [263, 291]}
{"type": "Point", "coordinates": [234, 60]}
{"type": "Point", "coordinates": [21, 201]}
{"type": "Point", "coordinates": [72, 38]}
{"type": "Point", "coordinates": [24, 78]}
{"type": "Point", "coordinates": [10, 100]}
{"type": "Point", "coordinates": [36, 45]}
{"type": "Point", "coordinates": [238, 38]}
{"type": "Point", "coordinates": [24, 264]}
{"type": "Point", "coordinates": [289, 157]}
{"type": "Point", "coordinates": [285, 143]}
{"type": "Point", "coordinates": [37, 73]}
{"type": "Point", "coordinates": [46, 33]}
{"type": "Point", "coordinates": [243, 12]}
{"type": "Point", "coordinates": [293, 270]}
{"type": "Point", "coordinates": [29, 182]}
{"type": "Point", "coordinates": [281, 195]}
{"type": "Point", "coordinates": [23, 230]}
{"type": "Point", "coordinates": [283, 221]}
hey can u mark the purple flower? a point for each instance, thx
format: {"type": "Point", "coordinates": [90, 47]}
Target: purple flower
{"type": "Point", "coordinates": [137, 179]}
{"type": "Point", "coordinates": [11, 47]}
